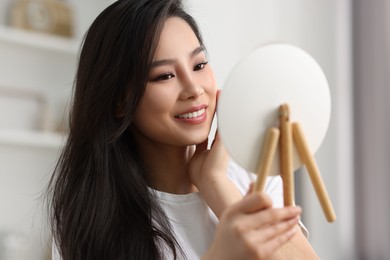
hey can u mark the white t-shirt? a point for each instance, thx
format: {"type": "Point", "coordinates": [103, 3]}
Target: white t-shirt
{"type": "Point", "coordinates": [192, 220]}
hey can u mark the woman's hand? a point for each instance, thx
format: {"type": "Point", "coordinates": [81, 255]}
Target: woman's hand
{"type": "Point", "coordinates": [208, 166]}
{"type": "Point", "coordinates": [208, 172]}
{"type": "Point", "coordinates": [252, 229]}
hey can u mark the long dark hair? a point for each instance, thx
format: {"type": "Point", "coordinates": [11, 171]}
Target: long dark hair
{"type": "Point", "coordinates": [99, 200]}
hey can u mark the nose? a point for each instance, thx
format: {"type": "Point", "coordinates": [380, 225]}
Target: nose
{"type": "Point", "coordinates": [191, 89]}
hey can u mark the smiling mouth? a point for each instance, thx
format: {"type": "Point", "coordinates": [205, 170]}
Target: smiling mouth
{"type": "Point", "coordinates": [192, 114]}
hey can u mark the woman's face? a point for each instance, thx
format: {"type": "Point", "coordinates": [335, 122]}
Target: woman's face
{"type": "Point", "coordinates": [180, 97]}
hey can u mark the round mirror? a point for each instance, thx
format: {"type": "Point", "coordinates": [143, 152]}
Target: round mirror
{"type": "Point", "coordinates": [249, 103]}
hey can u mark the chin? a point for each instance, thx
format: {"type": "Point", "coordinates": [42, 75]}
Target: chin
{"type": "Point", "coordinates": [197, 137]}
{"type": "Point", "coordinates": [199, 140]}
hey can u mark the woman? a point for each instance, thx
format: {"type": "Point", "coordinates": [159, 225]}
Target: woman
{"type": "Point", "coordinates": [135, 179]}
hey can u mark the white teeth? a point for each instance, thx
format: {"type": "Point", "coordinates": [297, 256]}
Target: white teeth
{"type": "Point", "coordinates": [193, 114]}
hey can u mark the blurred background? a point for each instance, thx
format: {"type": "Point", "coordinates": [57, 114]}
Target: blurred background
{"type": "Point", "coordinates": [350, 39]}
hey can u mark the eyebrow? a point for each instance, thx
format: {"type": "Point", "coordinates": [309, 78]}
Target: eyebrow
{"type": "Point", "coordinates": [192, 54]}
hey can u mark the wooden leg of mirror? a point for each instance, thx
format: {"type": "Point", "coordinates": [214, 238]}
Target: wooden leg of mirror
{"type": "Point", "coordinates": [314, 173]}
{"type": "Point", "coordinates": [286, 156]}
{"type": "Point", "coordinates": [267, 156]}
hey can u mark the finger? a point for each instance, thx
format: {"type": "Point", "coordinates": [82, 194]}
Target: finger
{"type": "Point", "coordinates": [271, 231]}
{"type": "Point", "coordinates": [268, 217]}
{"type": "Point", "coordinates": [202, 146]}
{"type": "Point", "coordinates": [277, 237]}
{"type": "Point", "coordinates": [216, 100]}
{"type": "Point", "coordinates": [252, 203]}
{"type": "Point", "coordinates": [215, 111]}
{"type": "Point", "coordinates": [251, 186]}
{"type": "Point", "coordinates": [217, 145]}
{"type": "Point", "coordinates": [217, 138]}
{"type": "Point", "coordinates": [217, 97]}
{"type": "Point", "coordinates": [271, 216]}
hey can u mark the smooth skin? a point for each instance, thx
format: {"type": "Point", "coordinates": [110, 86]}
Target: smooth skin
{"type": "Point", "coordinates": [178, 161]}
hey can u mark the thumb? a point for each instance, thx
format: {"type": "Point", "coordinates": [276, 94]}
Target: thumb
{"type": "Point", "coordinates": [251, 187]}
{"type": "Point", "coordinates": [253, 202]}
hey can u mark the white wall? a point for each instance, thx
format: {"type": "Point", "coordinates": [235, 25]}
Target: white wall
{"type": "Point", "coordinates": [232, 29]}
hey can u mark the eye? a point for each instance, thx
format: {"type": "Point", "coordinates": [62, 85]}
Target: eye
{"type": "Point", "coordinates": [163, 77]}
{"type": "Point", "coordinates": [200, 66]}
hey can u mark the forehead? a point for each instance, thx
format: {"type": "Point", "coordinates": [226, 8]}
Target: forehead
{"type": "Point", "coordinates": [176, 37]}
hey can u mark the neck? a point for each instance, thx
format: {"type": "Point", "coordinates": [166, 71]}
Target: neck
{"type": "Point", "coordinates": [166, 165]}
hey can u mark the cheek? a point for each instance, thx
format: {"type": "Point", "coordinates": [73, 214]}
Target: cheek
{"type": "Point", "coordinates": [154, 108]}
{"type": "Point", "coordinates": [209, 80]}
{"type": "Point", "coordinates": [210, 85]}
{"type": "Point", "coordinates": [157, 100]}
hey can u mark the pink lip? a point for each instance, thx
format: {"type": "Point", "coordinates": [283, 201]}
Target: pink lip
{"type": "Point", "coordinates": [195, 120]}
{"type": "Point", "coordinates": [193, 109]}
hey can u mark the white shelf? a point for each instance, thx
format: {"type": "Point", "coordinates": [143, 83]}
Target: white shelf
{"type": "Point", "coordinates": [30, 138]}
{"type": "Point", "coordinates": [39, 40]}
